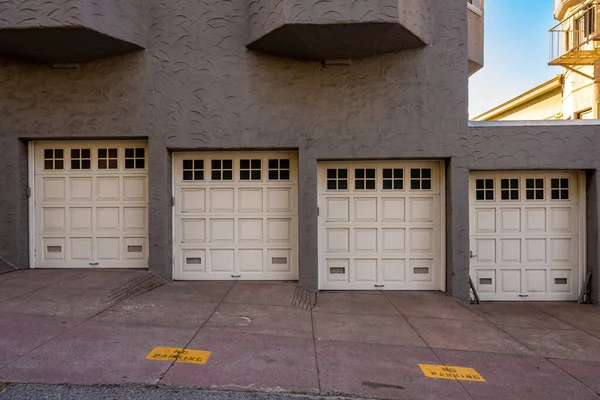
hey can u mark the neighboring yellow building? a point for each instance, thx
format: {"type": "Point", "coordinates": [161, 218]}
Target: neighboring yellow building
{"type": "Point", "coordinates": [575, 93]}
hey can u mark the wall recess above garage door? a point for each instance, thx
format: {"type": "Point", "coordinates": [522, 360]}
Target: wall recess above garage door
{"type": "Point", "coordinates": [235, 215]}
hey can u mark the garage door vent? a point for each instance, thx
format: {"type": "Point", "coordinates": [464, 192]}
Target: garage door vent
{"type": "Point", "coordinates": [193, 260]}
{"type": "Point", "coordinates": [560, 281]}
{"type": "Point", "coordinates": [54, 249]}
{"type": "Point", "coordinates": [421, 270]}
{"type": "Point", "coordinates": [337, 270]}
{"type": "Point", "coordinates": [134, 249]}
{"type": "Point", "coordinates": [279, 260]}
{"type": "Point", "coordinates": [485, 281]}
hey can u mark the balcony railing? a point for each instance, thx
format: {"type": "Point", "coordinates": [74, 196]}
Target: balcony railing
{"type": "Point", "coordinates": [576, 39]}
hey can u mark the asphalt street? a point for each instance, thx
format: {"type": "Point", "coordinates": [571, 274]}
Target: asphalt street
{"type": "Point", "coordinates": [132, 392]}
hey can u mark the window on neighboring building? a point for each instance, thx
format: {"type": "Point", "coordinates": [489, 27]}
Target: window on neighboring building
{"type": "Point", "coordinates": [586, 114]}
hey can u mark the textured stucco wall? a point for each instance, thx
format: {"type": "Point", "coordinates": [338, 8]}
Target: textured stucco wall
{"type": "Point", "coordinates": [123, 19]}
{"type": "Point", "coordinates": [196, 86]}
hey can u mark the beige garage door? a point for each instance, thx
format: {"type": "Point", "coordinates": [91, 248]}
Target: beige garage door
{"type": "Point", "coordinates": [236, 215]}
{"type": "Point", "coordinates": [90, 204]}
{"type": "Point", "coordinates": [526, 235]}
{"type": "Point", "coordinates": [380, 225]}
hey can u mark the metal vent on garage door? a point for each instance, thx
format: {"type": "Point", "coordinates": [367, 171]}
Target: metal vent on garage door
{"type": "Point", "coordinates": [279, 260]}
{"type": "Point", "coordinates": [54, 249]}
{"type": "Point", "coordinates": [337, 270]}
{"type": "Point", "coordinates": [134, 249]}
{"type": "Point", "coordinates": [421, 270]}
{"type": "Point", "coordinates": [193, 260]}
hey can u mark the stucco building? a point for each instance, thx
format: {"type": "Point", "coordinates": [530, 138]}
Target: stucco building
{"type": "Point", "coordinates": [325, 142]}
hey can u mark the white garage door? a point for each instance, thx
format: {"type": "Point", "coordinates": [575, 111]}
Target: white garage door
{"type": "Point", "coordinates": [236, 215]}
{"type": "Point", "coordinates": [525, 235]}
{"type": "Point", "coordinates": [90, 204]}
{"type": "Point", "coordinates": [380, 225]}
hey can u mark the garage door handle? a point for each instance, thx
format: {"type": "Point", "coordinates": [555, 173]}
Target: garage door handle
{"type": "Point", "coordinates": [471, 255]}
{"type": "Point", "coordinates": [236, 276]}
{"type": "Point", "coordinates": [379, 285]}
{"type": "Point", "coordinates": [94, 264]}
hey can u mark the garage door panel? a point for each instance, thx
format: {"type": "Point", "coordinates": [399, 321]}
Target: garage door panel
{"type": "Point", "coordinates": [380, 225]}
{"type": "Point", "coordinates": [81, 189]}
{"type": "Point", "coordinates": [250, 200]}
{"type": "Point", "coordinates": [251, 260]}
{"type": "Point", "coordinates": [88, 211]}
{"type": "Point", "coordinates": [529, 247]}
{"type": "Point", "coordinates": [240, 208]}
{"type": "Point", "coordinates": [134, 188]}
{"type": "Point", "coordinates": [108, 188]}
{"type": "Point", "coordinates": [422, 209]}
{"type": "Point", "coordinates": [250, 230]}
{"type": "Point", "coordinates": [364, 270]}
{"type": "Point", "coordinates": [393, 270]}
{"type": "Point", "coordinates": [80, 218]}
{"type": "Point", "coordinates": [535, 219]}
{"type": "Point", "coordinates": [485, 219]}
{"type": "Point", "coordinates": [221, 200]}
{"type": "Point", "coordinates": [393, 239]}
{"type": "Point", "coordinates": [279, 230]}
{"type": "Point", "coordinates": [510, 220]}
{"type": "Point", "coordinates": [192, 200]}
{"type": "Point", "coordinates": [365, 209]}
{"type": "Point", "coordinates": [279, 200]}
{"type": "Point", "coordinates": [54, 189]}
{"type": "Point", "coordinates": [193, 261]}
{"type": "Point", "coordinates": [421, 270]}
{"type": "Point", "coordinates": [393, 209]}
{"type": "Point", "coordinates": [337, 209]}
{"type": "Point", "coordinates": [222, 260]}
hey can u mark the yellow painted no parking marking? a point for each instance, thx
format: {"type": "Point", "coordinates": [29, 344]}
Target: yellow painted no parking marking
{"type": "Point", "coordinates": [179, 355]}
{"type": "Point", "coordinates": [448, 372]}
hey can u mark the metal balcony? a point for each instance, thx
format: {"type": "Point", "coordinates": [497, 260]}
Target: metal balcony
{"type": "Point", "coordinates": [576, 39]}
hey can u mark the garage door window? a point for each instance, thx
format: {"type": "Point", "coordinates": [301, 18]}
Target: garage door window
{"type": "Point", "coordinates": [222, 170]}
{"type": "Point", "coordinates": [54, 159]}
{"type": "Point", "coordinates": [393, 179]}
{"type": "Point", "coordinates": [81, 159]}
{"type": "Point", "coordinates": [337, 179]}
{"type": "Point", "coordinates": [420, 178]}
{"type": "Point", "coordinates": [135, 158]}
{"type": "Point", "coordinates": [193, 170]}
{"type": "Point", "coordinates": [534, 189]}
{"type": "Point", "coordinates": [250, 170]}
{"type": "Point", "coordinates": [509, 189]}
{"type": "Point", "coordinates": [560, 189]}
{"type": "Point", "coordinates": [484, 189]}
{"type": "Point", "coordinates": [108, 158]}
{"type": "Point", "coordinates": [279, 170]}
{"type": "Point", "coordinates": [364, 179]}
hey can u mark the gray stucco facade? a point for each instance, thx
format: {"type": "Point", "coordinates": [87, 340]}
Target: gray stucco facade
{"type": "Point", "coordinates": [196, 86]}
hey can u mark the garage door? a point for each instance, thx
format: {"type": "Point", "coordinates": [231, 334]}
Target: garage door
{"type": "Point", "coordinates": [90, 204]}
{"type": "Point", "coordinates": [380, 225]}
{"type": "Point", "coordinates": [525, 235]}
{"type": "Point", "coordinates": [236, 215]}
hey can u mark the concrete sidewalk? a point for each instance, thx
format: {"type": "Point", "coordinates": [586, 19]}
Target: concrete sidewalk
{"type": "Point", "coordinates": [61, 326]}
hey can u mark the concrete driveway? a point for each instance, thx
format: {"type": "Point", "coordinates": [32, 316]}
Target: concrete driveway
{"type": "Point", "coordinates": [68, 326]}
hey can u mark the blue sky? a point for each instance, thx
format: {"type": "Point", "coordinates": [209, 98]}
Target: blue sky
{"type": "Point", "coordinates": [516, 52]}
